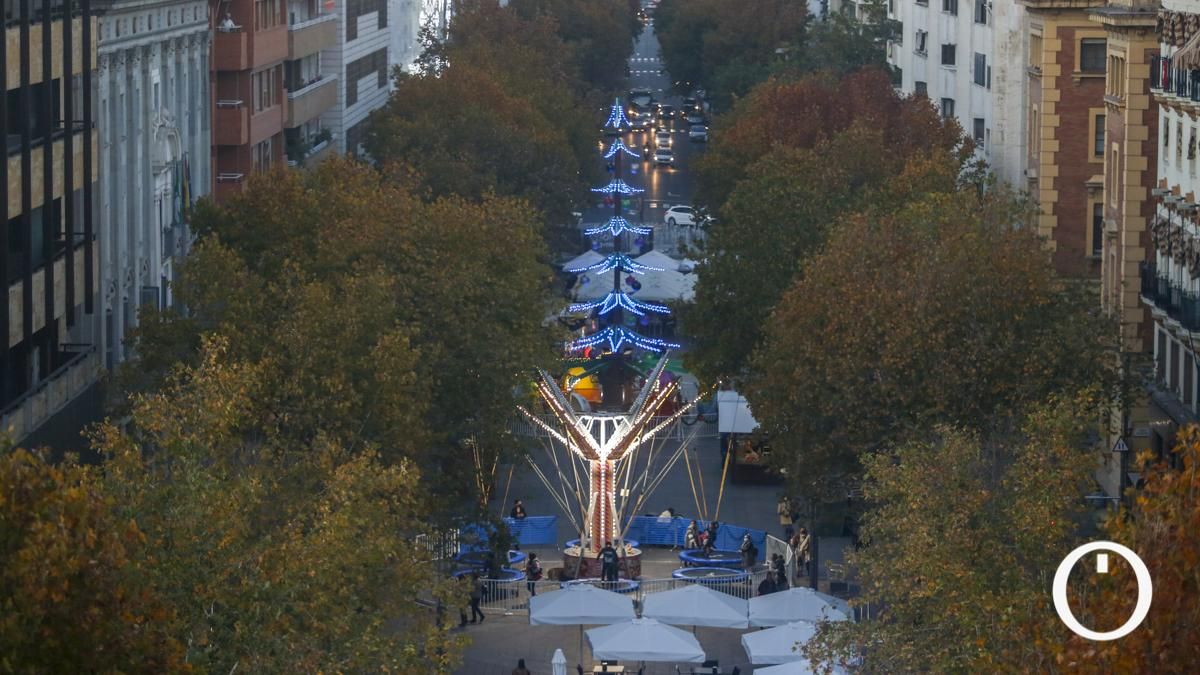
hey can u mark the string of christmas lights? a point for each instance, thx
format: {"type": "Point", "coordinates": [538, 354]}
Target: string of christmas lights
{"type": "Point", "coordinates": [614, 300]}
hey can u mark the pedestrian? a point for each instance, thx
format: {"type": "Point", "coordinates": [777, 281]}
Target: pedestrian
{"type": "Point", "coordinates": [784, 509]}
{"type": "Point", "coordinates": [518, 510]}
{"type": "Point", "coordinates": [778, 566]}
{"type": "Point", "coordinates": [749, 552]}
{"type": "Point", "coordinates": [608, 562]}
{"type": "Point", "coordinates": [476, 597]}
{"type": "Point", "coordinates": [711, 542]}
{"type": "Point", "coordinates": [803, 548]}
{"type": "Point", "coordinates": [781, 582]}
{"type": "Point", "coordinates": [520, 669]}
{"type": "Point", "coordinates": [533, 573]}
{"type": "Point", "coordinates": [767, 585]}
{"type": "Point", "coordinates": [691, 538]}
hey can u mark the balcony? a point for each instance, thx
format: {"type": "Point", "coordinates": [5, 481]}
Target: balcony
{"type": "Point", "coordinates": [310, 101]}
{"type": "Point", "coordinates": [232, 123]}
{"type": "Point", "coordinates": [269, 46]}
{"type": "Point", "coordinates": [311, 36]}
{"type": "Point", "coordinates": [231, 48]}
{"type": "Point", "coordinates": [266, 123]}
{"type": "Point", "coordinates": [23, 416]}
{"type": "Point", "coordinates": [228, 184]}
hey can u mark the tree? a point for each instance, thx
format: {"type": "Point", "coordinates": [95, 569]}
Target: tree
{"type": "Point", "coordinates": [1160, 526]}
{"type": "Point", "coordinates": [842, 43]}
{"type": "Point", "coordinates": [795, 160]}
{"type": "Point", "coordinates": [964, 534]}
{"type": "Point", "coordinates": [945, 311]}
{"type": "Point", "coordinates": [73, 593]}
{"type": "Point", "coordinates": [276, 556]}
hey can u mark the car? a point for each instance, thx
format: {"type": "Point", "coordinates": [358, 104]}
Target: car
{"type": "Point", "coordinates": [662, 139]}
{"type": "Point", "coordinates": [664, 156]}
{"type": "Point", "coordinates": [680, 215]}
{"type": "Point", "coordinates": [694, 118]}
{"type": "Point", "coordinates": [698, 132]}
{"type": "Point", "coordinates": [689, 103]}
{"type": "Point", "coordinates": [665, 112]}
{"type": "Point", "coordinates": [639, 123]}
{"type": "Point", "coordinates": [640, 98]}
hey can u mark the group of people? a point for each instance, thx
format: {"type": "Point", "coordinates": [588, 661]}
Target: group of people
{"type": "Point", "coordinates": [800, 542]}
{"type": "Point", "coordinates": [706, 540]}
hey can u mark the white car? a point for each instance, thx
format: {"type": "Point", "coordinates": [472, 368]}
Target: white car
{"type": "Point", "coordinates": [680, 215]}
{"type": "Point", "coordinates": [664, 156]}
{"type": "Point", "coordinates": [662, 139]}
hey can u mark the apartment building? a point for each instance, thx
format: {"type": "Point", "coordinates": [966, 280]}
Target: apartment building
{"type": "Point", "coordinates": [968, 58]}
{"type": "Point", "coordinates": [1068, 57]}
{"type": "Point", "coordinates": [250, 45]}
{"type": "Point", "coordinates": [155, 144]}
{"type": "Point", "coordinates": [1170, 283]}
{"type": "Point", "coordinates": [311, 87]}
{"type": "Point", "coordinates": [49, 359]}
{"type": "Point", "coordinates": [361, 63]}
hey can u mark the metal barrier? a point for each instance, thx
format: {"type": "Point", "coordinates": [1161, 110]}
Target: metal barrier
{"type": "Point", "coordinates": [512, 597]}
{"type": "Point", "coordinates": [670, 532]}
{"type": "Point", "coordinates": [529, 531]}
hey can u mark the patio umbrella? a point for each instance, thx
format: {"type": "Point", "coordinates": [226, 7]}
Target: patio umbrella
{"type": "Point", "coordinates": [645, 640]}
{"type": "Point", "coordinates": [780, 644]}
{"type": "Point", "coordinates": [558, 664]}
{"type": "Point", "coordinates": [577, 605]}
{"type": "Point", "coordinates": [696, 605]}
{"type": "Point", "coordinates": [797, 604]}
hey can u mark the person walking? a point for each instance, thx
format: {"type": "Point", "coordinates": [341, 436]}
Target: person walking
{"type": "Point", "coordinates": [803, 549]}
{"type": "Point", "coordinates": [476, 597]}
{"type": "Point", "coordinates": [520, 669]}
{"type": "Point", "coordinates": [749, 552]}
{"type": "Point", "coordinates": [518, 510]}
{"type": "Point", "coordinates": [608, 562]}
{"type": "Point", "coordinates": [784, 509]}
{"type": "Point", "coordinates": [533, 573]}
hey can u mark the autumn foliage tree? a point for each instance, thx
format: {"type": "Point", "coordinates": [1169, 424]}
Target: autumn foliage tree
{"type": "Point", "coordinates": [965, 533]}
{"type": "Point", "coordinates": [945, 311]}
{"type": "Point", "coordinates": [72, 588]}
{"type": "Point", "coordinates": [785, 165]}
{"type": "Point", "coordinates": [1161, 527]}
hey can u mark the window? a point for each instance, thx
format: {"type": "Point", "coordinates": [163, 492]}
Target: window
{"type": "Point", "coordinates": [1035, 51]}
{"type": "Point", "coordinates": [949, 52]}
{"type": "Point", "coordinates": [1097, 228]}
{"type": "Point", "coordinates": [981, 69]}
{"type": "Point", "coordinates": [264, 89]}
{"type": "Point", "coordinates": [919, 44]}
{"type": "Point", "coordinates": [357, 8]}
{"type": "Point", "coordinates": [1098, 137]}
{"type": "Point", "coordinates": [982, 7]}
{"type": "Point", "coordinates": [1189, 367]}
{"type": "Point", "coordinates": [923, 3]}
{"type": "Point", "coordinates": [262, 156]}
{"type": "Point", "coordinates": [1115, 83]}
{"type": "Point", "coordinates": [950, 6]}
{"type": "Point", "coordinates": [947, 108]}
{"type": "Point", "coordinates": [1092, 54]}
{"type": "Point", "coordinates": [266, 14]}
{"type": "Point", "coordinates": [920, 88]}
{"type": "Point", "coordinates": [978, 128]}
{"type": "Point", "coordinates": [375, 62]}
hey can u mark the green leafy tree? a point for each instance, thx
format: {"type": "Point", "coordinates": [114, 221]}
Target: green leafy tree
{"type": "Point", "coordinates": [276, 556]}
{"type": "Point", "coordinates": [74, 596]}
{"type": "Point", "coordinates": [963, 537]}
{"type": "Point", "coordinates": [945, 311]}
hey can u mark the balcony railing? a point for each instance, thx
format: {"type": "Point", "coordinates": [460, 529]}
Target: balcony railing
{"type": "Point", "coordinates": [24, 415]}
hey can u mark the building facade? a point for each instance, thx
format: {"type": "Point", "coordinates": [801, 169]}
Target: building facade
{"type": "Point", "coordinates": [969, 60]}
{"type": "Point", "coordinates": [360, 62]}
{"type": "Point", "coordinates": [49, 357]}
{"type": "Point", "coordinates": [250, 45]}
{"type": "Point", "coordinates": [1068, 58]}
{"type": "Point", "coordinates": [155, 139]}
{"type": "Point", "coordinates": [311, 86]}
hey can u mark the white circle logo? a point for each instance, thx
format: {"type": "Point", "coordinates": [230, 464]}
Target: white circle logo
{"type": "Point", "coordinates": [1145, 589]}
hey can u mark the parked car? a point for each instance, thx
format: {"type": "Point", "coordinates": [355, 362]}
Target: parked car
{"type": "Point", "coordinates": [680, 215]}
{"type": "Point", "coordinates": [698, 132]}
{"type": "Point", "coordinates": [664, 156]}
{"type": "Point", "coordinates": [662, 139]}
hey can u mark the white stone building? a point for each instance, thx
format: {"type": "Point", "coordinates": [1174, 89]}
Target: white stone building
{"type": "Point", "coordinates": [969, 57]}
{"type": "Point", "coordinates": [155, 137]}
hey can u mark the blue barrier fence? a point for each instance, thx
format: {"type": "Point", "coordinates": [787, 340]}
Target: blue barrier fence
{"type": "Point", "coordinates": [670, 532]}
{"type": "Point", "coordinates": [530, 531]}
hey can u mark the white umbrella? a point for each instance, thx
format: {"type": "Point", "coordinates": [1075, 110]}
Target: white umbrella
{"type": "Point", "coordinates": [780, 644]}
{"type": "Point", "coordinates": [792, 668]}
{"type": "Point", "coordinates": [558, 664]}
{"type": "Point", "coordinates": [579, 604]}
{"type": "Point", "coordinates": [696, 605]}
{"type": "Point", "coordinates": [645, 640]}
{"type": "Point", "coordinates": [797, 604]}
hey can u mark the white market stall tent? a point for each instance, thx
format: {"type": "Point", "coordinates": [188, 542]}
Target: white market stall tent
{"type": "Point", "coordinates": [797, 604]}
{"type": "Point", "coordinates": [579, 605]}
{"type": "Point", "coordinates": [778, 645]}
{"type": "Point", "coordinates": [645, 640]}
{"type": "Point", "coordinates": [696, 605]}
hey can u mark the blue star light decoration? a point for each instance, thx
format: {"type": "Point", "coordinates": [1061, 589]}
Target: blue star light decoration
{"type": "Point", "coordinates": [616, 336]}
{"type": "Point", "coordinates": [620, 186]}
{"type": "Point", "coordinates": [614, 261]}
{"type": "Point", "coordinates": [614, 300]}
{"type": "Point", "coordinates": [615, 226]}
{"type": "Point", "coordinates": [616, 117]}
{"type": "Point", "coordinates": [619, 146]}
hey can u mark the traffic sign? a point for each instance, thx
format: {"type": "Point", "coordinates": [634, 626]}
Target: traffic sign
{"type": "Point", "coordinates": [1120, 446]}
